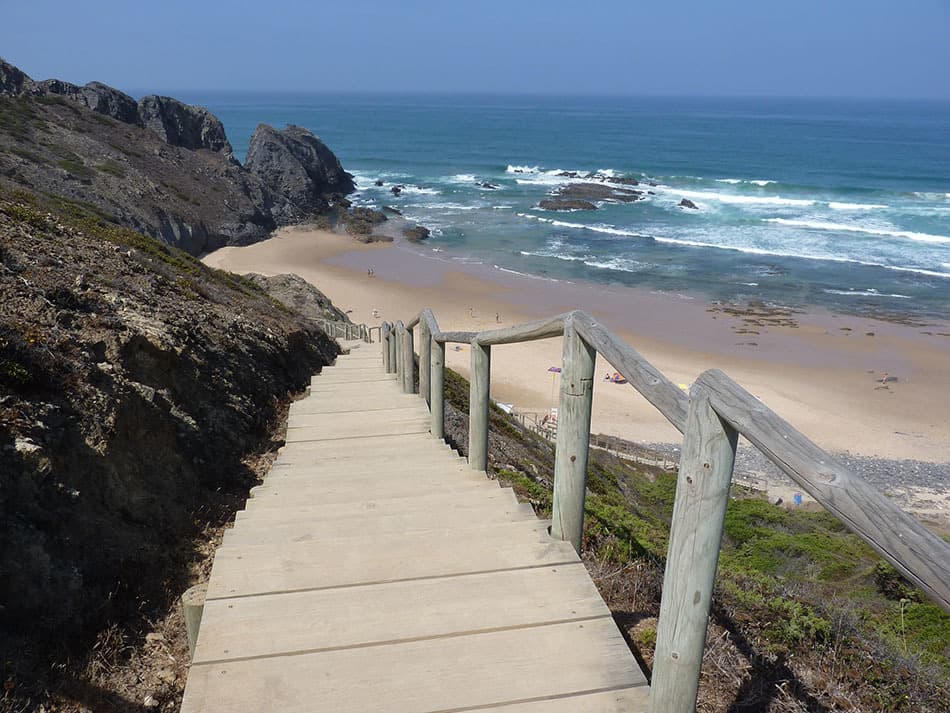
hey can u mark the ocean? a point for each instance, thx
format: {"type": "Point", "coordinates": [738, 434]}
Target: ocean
{"type": "Point", "coordinates": [838, 204]}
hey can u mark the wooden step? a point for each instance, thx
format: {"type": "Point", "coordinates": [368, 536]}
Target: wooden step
{"type": "Point", "coordinates": [262, 569]}
{"type": "Point", "coordinates": [399, 611]}
{"type": "Point", "coordinates": [458, 520]}
{"type": "Point", "coordinates": [446, 674]}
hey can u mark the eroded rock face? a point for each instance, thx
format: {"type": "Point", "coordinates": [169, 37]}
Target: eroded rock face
{"type": "Point", "coordinates": [12, 80]}
{"type": "Point", "coordinates": [299, 167]}
{"type": "Point", "coordinates": [180, 124]}
{"type": "Point", "coordinates": [99, 97]}
{"type": "Point", "coordinates": [566, 204]}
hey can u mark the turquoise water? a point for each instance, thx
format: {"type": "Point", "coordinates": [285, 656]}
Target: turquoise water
{"type": "Point", "coordinates": [801, 202]}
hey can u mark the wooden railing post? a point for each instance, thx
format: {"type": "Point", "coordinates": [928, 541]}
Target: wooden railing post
{"type": "Point", "coordinates": [573, 437]}
{"type": "Point", "coordinates": [478, 407]}
{"type": "Point", "coordinates": [437, 389]}
{"type": "Point", "coordinates": [699, 509]}
{"type": "Point", "coordinates": [425, 359]}
{"type": "Point", "coordinates": [384, 346]}
{"type": "Point", "coordinates": [391, 343]}
{"type": "Point", "coordinates": [408, 363]}
{"type": "Point", "coordinates": [400, 352]}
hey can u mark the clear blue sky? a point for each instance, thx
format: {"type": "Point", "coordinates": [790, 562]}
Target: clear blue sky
{"type": "Point", "coordinates": [869, 48]}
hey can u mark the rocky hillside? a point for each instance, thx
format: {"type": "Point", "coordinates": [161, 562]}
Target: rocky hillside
{"type": "Point", "coordinates": [159, 166]}
{"type": "Point", "coordinates": [136, 388]}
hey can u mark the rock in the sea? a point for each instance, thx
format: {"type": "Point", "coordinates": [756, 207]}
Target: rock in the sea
{"type": "Point", "coordinates": [390, 209]}
{"type": "Point", "coordinates": [598, 192]}
{"type": "Point", "coordinates": [566, 204]}
{"type": "Point", "coordinates": [299, 166]}
{"type": "Point", "coordinates": [379, 182]}
{"type": "Point", "coordinates": [396, 190]}
{"type": "Point", "coordinates": [179, 124]}
{"type": "Point", "coordinates": [489, 186]}
{"type": "Point", "coordinates": [417, 233]}
{"type": "Point", "coordinates": [687, 203]}
{"type": "Point", "coordinates": [623, 181]}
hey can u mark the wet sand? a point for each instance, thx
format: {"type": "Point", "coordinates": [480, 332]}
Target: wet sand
{"type": "Point", "coordinates": [820, 371]}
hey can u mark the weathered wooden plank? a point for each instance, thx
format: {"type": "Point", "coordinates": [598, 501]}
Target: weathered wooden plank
{"type": "Point", "coordinates": [355, 403]}
{"type": "Point", "coordinates": [470, 493]}
{"type": "Point", "coordinates": [408, 363]}
{"type": "Point", "coordinates": [624, 700]}
{"type": "Point", "coordinates": [453, 673]}
{"type": "Point", "coordinates": [476, 516]}
{"type": "Point", "coordinates": [459, 337]}
{"type": "Point", "coordinates": [479, 394]}
{"type": "Point", "coordinates": [699, 509]}
{"type": "Point", "coordinates": [348, 376]}
{"type": "Point", "coordinates": [260, 569]}
{"type": "Point", "coordinates": [414, 424]}
{"type": "Point", "coordinates": [399, 611]}
{"type": "Point", "coordinates": [573, 437]}
{"type": "Point", "coordinates": [425, 360]}
{"type": "Point", "coordinates": [916, 552]}
{"type": "Point", "coordinates": [357, 489]}
{"type": "Point", "coordinates": [439, 470]}
{"type": "Point", "coordinates": [357, 418]}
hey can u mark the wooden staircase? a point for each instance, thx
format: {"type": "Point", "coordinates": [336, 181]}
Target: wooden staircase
{"type": "Point", "coordinates": [375, 571]}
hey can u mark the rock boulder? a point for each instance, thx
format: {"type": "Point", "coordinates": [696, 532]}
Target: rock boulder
{"type": "Point", "coordinates": [299, 167]}
{"type": "Point", "coordinates": [179, 124]}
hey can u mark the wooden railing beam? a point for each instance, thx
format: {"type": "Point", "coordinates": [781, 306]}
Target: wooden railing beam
{"type": "Point", "coordinates": [437, 389]}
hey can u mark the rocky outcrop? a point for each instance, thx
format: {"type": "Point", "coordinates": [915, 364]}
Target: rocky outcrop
{"type": "Point", "coordinates": [566, 204]}
{"type": "Point", "coordinates": [299, 295]}
{"type": "Point", "coordinates": [162, 167]}
{"type": "Point", "coordinates": [598, 192]}
{"type": "Point", "coordinates": [687, 203]}
{"type": "Point", "coordinates": [362, 221]}
{"type": "Point", "coordinates": [137, 387]}
{"type": "Point", "coordinates": [300, 169]}
{"type": "Point", "coordinates": [416, 233]}
{"type": "Point", "coordinates": [12, 80]}
{"type": "Point", "coordinates": [179, 124]}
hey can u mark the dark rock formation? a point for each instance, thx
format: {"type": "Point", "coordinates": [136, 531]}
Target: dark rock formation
{"type": "Point", "coordinates": [379, 182]}
{"type": "Point", "coordinates": [136, 388]}
{"type": "Point", "coordinates": [396, 190]}
{"type": "Point", "coordinates": [190, 127]}
{"type": "Point", "coordinates": [489, 186]}
{"type": "Point", "coordinates": [299, 295]}
{"type": "Point", "coordinates": [598, 192]}
{"type": "Point", "coordinates": [13, 81]}
{"type": "Point", "coordinates": [158, 166]}
{"type": "Point", "coordinates": [622, 181]}
{"type": "Point", "coordinates": [687, 203]}
{"type": "Point", "coordinates": [299, 167]}
{"type": "Point", "coordinates": [362, 221]}
{"type": "Point", "coordinates": [390, 209]}
{"type": "Point", "coordinates": [566, 204]}
{"type": "Point", "coordinates": [416, 233]}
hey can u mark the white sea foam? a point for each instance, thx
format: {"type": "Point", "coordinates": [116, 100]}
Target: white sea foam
{"type": "Point", "coordinates": [737, 199]}
{"type": "Point", "coordinates": [462, 178]}
{"type": "Point", "coordinates": [866, 293]}
{"type": "Point", "coordinates": [867, 230]}
{"type": "Point", "coordinates": [444, 206]}
{"type": "Point", "coordinates": [420, 191]}
{"type": "Point", "coordinates": [737, 181]}
{"type": "Point", "coordinates": [834, 205]}
{"type": "Point", "coordinates": [522, 169]}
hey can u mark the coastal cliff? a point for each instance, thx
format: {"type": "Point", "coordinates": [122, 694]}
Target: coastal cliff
{"type": "Point", "coordinates": [159, 166]}
{"type": "Point", "coordinates": [138, 389]}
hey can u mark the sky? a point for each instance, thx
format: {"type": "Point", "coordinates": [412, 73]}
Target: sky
{"type": "Point", "coordinates": [811, 48]}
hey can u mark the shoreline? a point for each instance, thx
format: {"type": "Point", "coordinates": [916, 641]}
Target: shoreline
{"type": "Point", "coordinates": [822, 372]}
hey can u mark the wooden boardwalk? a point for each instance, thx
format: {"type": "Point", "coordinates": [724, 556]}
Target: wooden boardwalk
{"type": "Point", "coordinates": [375, 571]}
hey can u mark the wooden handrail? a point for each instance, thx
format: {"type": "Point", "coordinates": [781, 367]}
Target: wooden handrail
{"type": "Point", "coordinates": [711, 418]}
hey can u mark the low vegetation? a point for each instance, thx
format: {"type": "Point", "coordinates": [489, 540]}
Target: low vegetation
{"type": "Point", "coordinates": [806, 617]}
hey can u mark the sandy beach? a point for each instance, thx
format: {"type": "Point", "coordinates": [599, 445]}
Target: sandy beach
{"type": "Point", "coordinates": [851, 384]}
